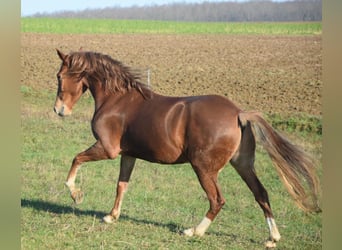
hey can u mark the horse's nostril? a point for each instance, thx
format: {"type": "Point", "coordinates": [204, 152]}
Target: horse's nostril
{"type": "Point", "coordinates": [60, 111]}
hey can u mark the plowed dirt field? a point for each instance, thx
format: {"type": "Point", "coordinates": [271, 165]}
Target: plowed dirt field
{"type": "Point", "coordinates": [273, 74]}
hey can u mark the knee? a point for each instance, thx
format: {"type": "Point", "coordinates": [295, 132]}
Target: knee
{"type": "Point", "coordinates": [112, 154]}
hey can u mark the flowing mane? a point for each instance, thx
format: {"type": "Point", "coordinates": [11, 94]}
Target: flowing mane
{"type": "Point", "coordinates": [112, 74]}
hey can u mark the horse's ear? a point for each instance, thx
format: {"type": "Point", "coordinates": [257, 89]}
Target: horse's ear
{"type": "Point", "coordinates": [63, 57]}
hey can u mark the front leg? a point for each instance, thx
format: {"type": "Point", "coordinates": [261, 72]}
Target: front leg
{"type": "Point", "coordinates": [126, 167]}
{"type": "Point", "coordinates": [94, 153]}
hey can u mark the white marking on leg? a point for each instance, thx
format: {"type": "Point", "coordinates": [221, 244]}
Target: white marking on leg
{"type": "Point", "coordinates": [203, 226]}
{"type": "Point", "coordinates": [273, 229]}
{"type": "Point", "coordinates": [70, 183]}
{"type": "Point", "coordinates": [116, 212]}
{"type": "Point", "coordinates": [200, 229]}
{"type": "Point", "coordinates": [121, 190]}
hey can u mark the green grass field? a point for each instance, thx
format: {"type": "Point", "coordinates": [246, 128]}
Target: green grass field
{"type": "Point", "coordinates": [78, 26]}
{"type": "Point", "coordinates": [161, 200]}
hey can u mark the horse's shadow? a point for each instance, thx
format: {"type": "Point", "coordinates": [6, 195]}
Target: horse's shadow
{"type": "Point", "coordinates": [55, 208]}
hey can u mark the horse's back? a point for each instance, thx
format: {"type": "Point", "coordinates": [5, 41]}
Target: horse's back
{"type": "Point", "coordinates": [214, 106]}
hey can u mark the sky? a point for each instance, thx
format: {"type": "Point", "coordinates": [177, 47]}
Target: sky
{"type": "Point", "coordinates": [30, 7]}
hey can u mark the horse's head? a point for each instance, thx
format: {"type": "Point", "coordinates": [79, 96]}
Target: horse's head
{"type": "Point", "coordinates": [71, 85]}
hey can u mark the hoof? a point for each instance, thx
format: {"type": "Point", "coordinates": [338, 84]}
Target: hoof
{"type": "Point", "coordinates": [108, 219]}
{"type": "Point", "coordinates": [193, 232]}
{"type": "Point", "coordinates": [189, 232]}
{"type": "Point", "coordinates": [276, 237]}
{"type": "Point", "coordinates": [270, 244]}
{"type": "Point", "coordinates": [77, 196]}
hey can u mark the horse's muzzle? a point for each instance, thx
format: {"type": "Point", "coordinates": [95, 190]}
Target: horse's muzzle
{"type": "Point", "coordinates": [59, 112]}
{"type": "Point", "coordinates": [62, 110]}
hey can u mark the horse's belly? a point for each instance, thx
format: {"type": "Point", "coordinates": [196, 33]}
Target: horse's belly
{"type": "Point", "coordinates": [158, 153]}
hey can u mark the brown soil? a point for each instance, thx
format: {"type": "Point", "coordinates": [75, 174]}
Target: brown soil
{"type": "Point", "coordinates": [272, 74]}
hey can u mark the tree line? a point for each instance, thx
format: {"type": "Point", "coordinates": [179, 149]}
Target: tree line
{"type": "Point", "coordinates": [252, 11]}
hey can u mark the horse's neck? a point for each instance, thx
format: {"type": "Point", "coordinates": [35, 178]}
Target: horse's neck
{"type": "Point", "coordinates": [97, 93]}
{"type": "Point", "coordinates": [101, 97]}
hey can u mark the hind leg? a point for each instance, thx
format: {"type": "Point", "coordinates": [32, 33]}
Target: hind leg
{"type": "Point", "coordinates": [261, 196]}
{"type": "Point", "coordinates": [210, 185]}
{"type": "Point", "coordinates": [243, 162]}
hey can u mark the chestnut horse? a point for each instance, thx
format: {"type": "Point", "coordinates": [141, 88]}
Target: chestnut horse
{"type": "Point", "coordinates": [207, 131]}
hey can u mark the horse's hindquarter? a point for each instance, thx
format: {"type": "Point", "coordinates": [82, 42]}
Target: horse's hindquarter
{"type": "Point", "coordinates": [173, 130]}
{"type": "Point", "coordinates": [213, 131]}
